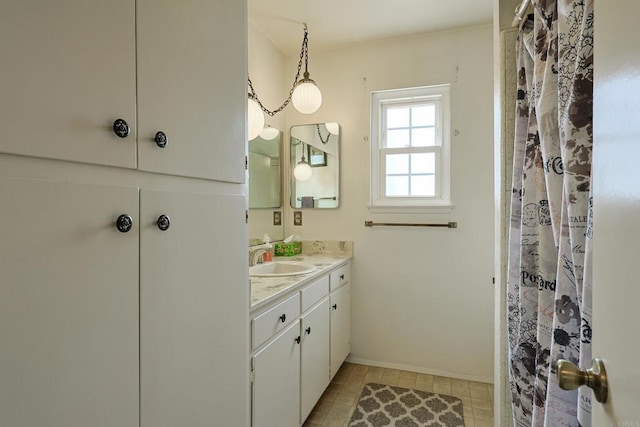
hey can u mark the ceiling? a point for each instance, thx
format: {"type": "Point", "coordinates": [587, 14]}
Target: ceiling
{"type": "Point", "coordinates": [334, 23]}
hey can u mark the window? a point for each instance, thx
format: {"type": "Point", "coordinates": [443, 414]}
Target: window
{"type": "Point", "coordinates": [410, 149]}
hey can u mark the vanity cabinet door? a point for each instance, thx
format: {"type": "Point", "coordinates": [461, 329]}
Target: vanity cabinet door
{"type": "Point", "coordinates": [68, 72]}
{"type": "Point", "coordinates": [340, 301]}
{"type": "Point", "coordinates": [68, 305]}
{"type": "Point", "coordinates": [193, 310]}
{"type": "Point", "coordinates": [276, 385]}
{"type": "Point", "coordinates": [192, 87]}
{"type": "Point", "coordinates": [315, 356]}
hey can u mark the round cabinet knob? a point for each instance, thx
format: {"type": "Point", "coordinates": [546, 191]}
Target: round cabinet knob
{"type": "Point", "coordinates": [308, 330]}
{"type": "Point", "coordinates": [161, 139]}
{"type": "Point", "coordinates": [283, 318]}
{"type": "Point", "coordinates": [121, 128]}
{"type": "Point", "coordinates": [164, 222]}
{"type": "Point", "coordinates": [124, 223]}
{"type": "Point", "coordinates": [298, 340]}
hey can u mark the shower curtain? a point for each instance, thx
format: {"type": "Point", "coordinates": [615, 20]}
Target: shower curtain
{"type": "Point", "coordinates": [550, 238]}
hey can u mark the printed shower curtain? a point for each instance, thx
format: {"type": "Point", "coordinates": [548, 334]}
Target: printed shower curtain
{"type": "Point", "coordinates": [549, 277]}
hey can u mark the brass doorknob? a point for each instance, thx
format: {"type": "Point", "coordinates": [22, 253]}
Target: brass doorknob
{"type": "Point", "coordinates": [571, 377]}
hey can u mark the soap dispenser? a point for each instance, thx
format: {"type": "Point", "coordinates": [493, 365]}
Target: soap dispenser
{"type": "Point", "coordinates": [268, 255]}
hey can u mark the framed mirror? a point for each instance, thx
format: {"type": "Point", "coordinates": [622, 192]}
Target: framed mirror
{"type": "Point", "coordinates": [315, 166]}
{"type": "Point", "coordinates": [265, 185]}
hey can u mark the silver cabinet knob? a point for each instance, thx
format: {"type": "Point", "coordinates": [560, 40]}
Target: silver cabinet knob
{"type": "Point", "coordinates": [571, 377]}
{"type": "Point", "coordinates": [121, 128]}
{"type": "Point", "coordinates": [161, 139]}
{"type": "Point", "coordinates": [164, 222]}
{"type": "Point", "coordinates": [124, 223]}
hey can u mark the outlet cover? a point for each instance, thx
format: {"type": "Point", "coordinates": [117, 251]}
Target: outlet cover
{"type": "Point", "coordinates": [297, 217]}
{"type": "Point", "coordinates": [277, 218]}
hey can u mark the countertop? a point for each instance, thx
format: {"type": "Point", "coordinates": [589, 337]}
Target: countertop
{"type": "Point", "coordinates": [267, 289]}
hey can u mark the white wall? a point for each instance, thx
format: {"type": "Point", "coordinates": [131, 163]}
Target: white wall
{"type": "Point", "coordinates": [421, 298]}
{"type": "Point", "coordinates": [266, 66]}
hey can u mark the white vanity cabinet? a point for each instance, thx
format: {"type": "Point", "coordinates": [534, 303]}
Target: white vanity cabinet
{"type": "Point", "coordinates": [292, 369]}
{"type": "Point", "coordinates": [73, 68]}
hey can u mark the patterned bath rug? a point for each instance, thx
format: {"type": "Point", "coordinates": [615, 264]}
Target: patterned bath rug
{"type": "Point", "coordinates": [383, 405]}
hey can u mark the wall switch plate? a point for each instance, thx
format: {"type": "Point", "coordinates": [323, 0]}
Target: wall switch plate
{"type": "Point", "coordinates": [277, 218]}
{"type": "Point", "coordinates": [297, 217]}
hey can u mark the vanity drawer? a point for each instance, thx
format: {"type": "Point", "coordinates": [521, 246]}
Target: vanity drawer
{"type": "Point", "coordinates": [339, 277]}
{"type": "Point", "coordinates": [268, 323]}
{"type": "Point", "coordinates": [314, 292]}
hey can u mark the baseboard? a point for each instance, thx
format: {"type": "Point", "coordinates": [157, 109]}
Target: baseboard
{"type": "Point", "coordinates": [418, 369]}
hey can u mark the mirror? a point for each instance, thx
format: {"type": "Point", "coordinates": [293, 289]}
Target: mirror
{"type": "Point", "coordinates": [315, 167]}
{"type": "Point", "coordinates": [265, 185]}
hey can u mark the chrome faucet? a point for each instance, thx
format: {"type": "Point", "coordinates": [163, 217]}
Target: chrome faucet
{"type": "Point", "coordinates": [256, 253]}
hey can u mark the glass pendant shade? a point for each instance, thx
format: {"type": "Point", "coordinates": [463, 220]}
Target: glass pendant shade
{"type": "Point", "coordinates": [255, 119]}
{"type": "Point", "coordinates": [269, 133]}
{"type": "Point", "coordinates": [302, 171]}
{"type": "Point", "coordinates": [333, 128]}
{"type": "Point", "coordinates": [306, 97]}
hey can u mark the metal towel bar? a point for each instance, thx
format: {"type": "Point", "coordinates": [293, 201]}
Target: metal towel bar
{"type": "Point", "coordinates": [395, 224]}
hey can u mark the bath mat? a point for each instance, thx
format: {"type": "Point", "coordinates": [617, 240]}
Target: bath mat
{"type": "Point", "coordinates": [383, 405]}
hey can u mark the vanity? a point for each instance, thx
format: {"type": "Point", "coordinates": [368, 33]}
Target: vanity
{"type": "Point", "coordinates": [300, 335]}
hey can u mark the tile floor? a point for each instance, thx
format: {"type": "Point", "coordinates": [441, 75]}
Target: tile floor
{"type": "Point", "coordinates": [337, 403]}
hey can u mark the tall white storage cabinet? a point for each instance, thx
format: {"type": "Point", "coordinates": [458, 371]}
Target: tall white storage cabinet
{"type": "Point", "coordinates": [124, 293]}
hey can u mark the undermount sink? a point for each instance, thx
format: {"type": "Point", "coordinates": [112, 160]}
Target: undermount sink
{"type": "Point", "coordinates": [280, 268]}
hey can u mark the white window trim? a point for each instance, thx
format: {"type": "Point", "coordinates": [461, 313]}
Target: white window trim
{"type": "Point", "coordinates": [441, 203]}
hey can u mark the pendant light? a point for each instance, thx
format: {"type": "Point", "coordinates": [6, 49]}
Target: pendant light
{"type": "Point", "coordinates": [255, 118]}
{"type": "Point", "coordinates": [269, 133]}
{"type": "Point", "coordinates": [302, 171]}
{"type": "Point", "coordinates": [304, 93]}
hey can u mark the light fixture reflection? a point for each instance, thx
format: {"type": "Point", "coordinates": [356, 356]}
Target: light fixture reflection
{"type": "Point", "coordinates": [269, 133]}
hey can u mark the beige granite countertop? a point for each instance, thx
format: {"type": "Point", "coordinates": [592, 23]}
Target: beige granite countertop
{"type": "Point", "coordinates": [264, 290]}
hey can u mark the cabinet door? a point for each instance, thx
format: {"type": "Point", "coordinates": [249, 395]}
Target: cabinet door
{"type": "Point", "coordinates": [194, 310]}
{"type": "Point", "coordinates": [68, 305]}
{"type": "Point", "coordinates": [276, 385]}
{"type": "Point", "coordinates": [192, 85]}
{"type": "Point", "coordinates": [340, 327]}
{"type": "Point", "coordinates": [315, 357]}
{"type": "Point", "coordinates": [68, 72]}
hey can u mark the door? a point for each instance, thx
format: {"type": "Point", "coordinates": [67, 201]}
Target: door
{"type": "Point", "coordinates": [315, 357]}
{"type": "Point", "coordinates": [68, 305]}
{"type": "Point", "coordinates": [276, 384]}
{"type": "Point", "coordinates": [340, 327]}
{"type": "Point", "coordinates": [192, 85]}
{"type": "Point", "coordinates": [616, 176]}
{"type": "Point", "coordinates": [68, 71]}
{"type": "Point", "coordinates": [194, 310]}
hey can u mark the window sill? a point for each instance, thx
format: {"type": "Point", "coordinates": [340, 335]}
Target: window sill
{"type": "Point", "coordinates": [408, 209]}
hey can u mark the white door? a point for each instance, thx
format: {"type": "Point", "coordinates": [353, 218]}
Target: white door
{"type": "Point", "coordinates": [68, 71]}
{"type": "Point", "coordinates": [616, 175]}
{"type": "Point", "coordinates": [68, 305]}
{"type": "Point", "coordinates": [315, 357]}
{"type": "Point", "coordinates": [276, 385]}
{"type": "Point", "coordinates": [192, 85]}
{"type": "Point", "coordinates": [194, 310]}
{"type": "Point", "coordinates": [340, 327]}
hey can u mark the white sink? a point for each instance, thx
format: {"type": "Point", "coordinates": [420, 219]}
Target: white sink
{"type": "Point", "coordinates": [280, 268]}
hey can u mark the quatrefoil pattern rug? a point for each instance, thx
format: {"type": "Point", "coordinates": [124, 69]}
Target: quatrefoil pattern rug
{"type": "Point", "coordinates": [383, 405]}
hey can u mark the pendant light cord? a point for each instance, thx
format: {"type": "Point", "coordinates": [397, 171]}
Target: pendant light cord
{"type": "Point", "coordinates": [304, 54]}
{"type": "Point", "coordinates": [324, 141]}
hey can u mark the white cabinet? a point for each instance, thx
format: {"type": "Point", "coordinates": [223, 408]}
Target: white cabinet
{"type": "Point", "coordinates": [290, 379]}
{"type": "Point", "coordinates": [72, 67]}
{"type": "Point", "coordinates": [276, 384]}
{"type": "Point", "coordinates": [193, 319]}
{"type": "Point", "coordinates": [68, 305]}
{"type": "Point", "coordinates": [192, 82]}
{"type": "Point", "coordinates": [315, 357]}
{"type": "Point", "coordinates": [340, 326]}
{"type": "Point", "coordinates": [101, 327]}
{"type": "Point", "coordinates": [68, 71]}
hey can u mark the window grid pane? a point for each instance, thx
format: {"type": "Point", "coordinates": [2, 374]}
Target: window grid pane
{"type": "Point", "coordinates": [410, 174]}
